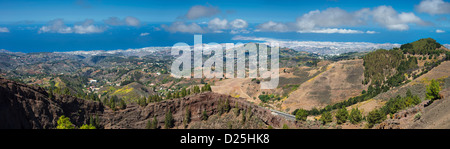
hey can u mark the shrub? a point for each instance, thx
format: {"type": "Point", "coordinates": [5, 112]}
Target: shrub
{"type": "Point", "coordinates": [376, 116]}
{"type": "Point", "coordinates": [418, 116]}
{"type": "Point", "coordinates": [341, 115]}
{"type": "Point", "coordinates": [285, 126]}
{"type": "Point", "coordinates": [64, 123]}
{"type": "Point", "coordinates": [326, 118]}
{"type": "Point", "coordinates": [85, 126]}
{"type": "Point", "coordinates": [301, 115]}
{"type": "Point", "coordinates": [355, 116]}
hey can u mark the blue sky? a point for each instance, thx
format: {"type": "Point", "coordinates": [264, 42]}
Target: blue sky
{"type": "Point", "coordinates": [51, 25]}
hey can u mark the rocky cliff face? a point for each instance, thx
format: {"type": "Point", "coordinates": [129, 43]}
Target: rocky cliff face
{"type": "Point", "coordinates": [29, 107]}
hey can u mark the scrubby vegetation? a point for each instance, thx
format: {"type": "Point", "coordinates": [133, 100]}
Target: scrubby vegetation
{"type": "Point", "coordinates": [355, 116]}
{"type": "Point", "coordinates": [301, 115]}
{"type": "Point", "coordinates": [425, 46]}
{"type": "Point", "coordinates": [269, 97]}
{"type": "Point", "coordinates": [341, 115]}
{"type": "Point", "coordinates": [433, 90]}
{"type": "Point", "coordinates": [326, 117]}
{"type": "Point", "coordinates": [376, 116]}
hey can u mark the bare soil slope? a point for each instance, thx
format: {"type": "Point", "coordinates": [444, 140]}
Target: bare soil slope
{"type": "Point", "coordinates": [341, 81]}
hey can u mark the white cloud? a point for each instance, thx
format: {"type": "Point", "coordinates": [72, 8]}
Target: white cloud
{"type": "Point", "coordinates": [199, 11]}
{"type": "Point", "coordinates": [329, 20]}
{"type": "Point", "coordinates": [238, 24]}
{"type": "Point", "coordinates": [58, 26]}
{"type": "Point", "coordinates": [391, 19]}
{"type": "Point", "coordinates": [132, 21]}
{"type": "Point", "coordinates": [433, 7]}
{"type": "Point", "coordinates": [144, 34]}
{"type": "Point", "coordinates": [129, 21]}
{"type": "Point", "coordinates": [332, 31]}
{"type": "Point", "coordinates": [440, 31]}
{"type": "Point", "coordinates": [4, 30]}
{"type": "Point", "coordinates": [371, 32]}
{"type": "Point", "coordinates": [216, 24]}
{"type": "Point", "coordinates": [272, 27]}
{"type": "Point", "coordinates": [331, 17]}
{"type": "Point", "coordinates": [183, 28]}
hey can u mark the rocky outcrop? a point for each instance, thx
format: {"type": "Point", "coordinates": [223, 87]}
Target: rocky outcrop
{"type": "Point", "coordinates": [29, 107]}
{"type": "Point", "coordinates": [136, 117]}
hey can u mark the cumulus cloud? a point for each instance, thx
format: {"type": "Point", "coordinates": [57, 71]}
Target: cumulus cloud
{"type": "Point", "coordinates": [58, 26]}
{"type": "Point", "coordinates": [238, 24]}
{"type": "Point", "coordinates": [391, 19]}
{"type": "Point", "coordinates": [129, 21]}
{"type": "Point", "coordinates": [183, 28]}
{"type": "Point", "coordinates": [440, 31]}
{"type": "Point", "coordinates": [200, 11]}
{"type": "Point", "coordinates": [4, 30]}
{"type": "Point", "coordinates": [332, 19]}
{"type": "Point", "coordinates": [433, 7]}
{"type": "Point", "coordinates": [217, 24]}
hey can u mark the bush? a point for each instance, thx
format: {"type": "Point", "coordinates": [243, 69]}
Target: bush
{"type": "Point", "coordinates": [418, 116]}
{"type": "Point", "coordinates": [85, 126]}
{"type": "Point", "coordinates": [64, 123]}
{"type": "Point", "coordinates": [341, 115]}
{"type": "Point", "coordinates": [433, 90]}
{"type": "Point", "coordinates": [326, 118]}
{"type": "Point", "coordinates": [285, 126]}
{"type": "Point", "coordinates": [355, 116]}
{"type": "Point", "coordinates": [376, 116]}
{"type": "Point", "coordinates": [301, 115]}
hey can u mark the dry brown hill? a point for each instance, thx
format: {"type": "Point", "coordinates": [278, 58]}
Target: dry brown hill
{"type": "Point", "coordinates": [341, 81]}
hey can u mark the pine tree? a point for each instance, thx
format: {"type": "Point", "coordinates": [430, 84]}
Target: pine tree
{"type": "Point", "coordinates": [187, 117]}
{"type": "Point", "coordinates": [204, 115]}
{"type": "Point", "coordinates": [169, 121]}
{"type": "Point", "coordinates": [342, 115]}
{"type": "Point", "coordinates": [355, 116]}
{"type": "Point", "coordinates": [227, 106]}
{"type": "Point", "coordinates": [433, 90]}
{"type": "Point", "coordinates": [122, 104]}
{"type": "Point", "coordinates": [236, 109]}
{"type": "Point", "coordinates": [326, 117]}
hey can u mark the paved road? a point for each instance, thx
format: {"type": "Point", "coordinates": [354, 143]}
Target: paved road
{"type": "Point", "coordinates": [285, 115]}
